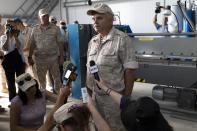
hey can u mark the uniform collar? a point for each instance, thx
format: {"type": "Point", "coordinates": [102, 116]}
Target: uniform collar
{"type": "Point", "coordinates": [110, 34]}
{"type": "Point", "coordinates": [108, 37]}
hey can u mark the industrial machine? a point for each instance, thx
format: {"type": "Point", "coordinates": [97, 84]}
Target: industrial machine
{"type": "Point", "coordinates": [167, 60]}
{"type": "Point", "coordinates": [170, 61]}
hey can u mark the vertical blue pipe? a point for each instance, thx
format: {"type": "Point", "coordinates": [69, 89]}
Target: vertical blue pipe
{"type": "Point", "coordinates": [186, 27]}
{"type": "Point", "coordinates": [73, 30]}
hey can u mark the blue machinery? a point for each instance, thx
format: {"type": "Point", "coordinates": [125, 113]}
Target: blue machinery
{"type": "Point", "coordinates": [79, 36]}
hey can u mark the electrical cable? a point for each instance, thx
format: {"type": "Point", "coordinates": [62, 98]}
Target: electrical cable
{"type": "Point", "coordinates": [191, 25]}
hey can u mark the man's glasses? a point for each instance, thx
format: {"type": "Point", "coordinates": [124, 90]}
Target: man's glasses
{"type": "Point", "coordinates": [28, 78]}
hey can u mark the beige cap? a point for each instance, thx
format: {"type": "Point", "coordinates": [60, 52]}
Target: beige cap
{"type": "Point", "coordinates": [52, 19]}
{"type": "Point", "coordinates": [43, 12]}
{"type": "Point", "coordinates": [25, 81]}
{"type": "Point", "coordinates": [63, 113]}
{"type": "Point", "coordinates": [100, 8]}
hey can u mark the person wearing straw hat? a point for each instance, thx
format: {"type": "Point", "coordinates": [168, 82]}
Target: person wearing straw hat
{"type": "Point", "coordinates": [75, 116]}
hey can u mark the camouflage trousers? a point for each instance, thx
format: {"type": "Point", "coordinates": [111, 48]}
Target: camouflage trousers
{"type": "Point", "coordinates": [40, 69]}
{"type": "Point", "coordinates": [110, 111]}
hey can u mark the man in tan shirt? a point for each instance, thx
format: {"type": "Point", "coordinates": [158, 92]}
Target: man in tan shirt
{"type": "Point", "coordinates": [46, 50]}
{"type": "Point", "coordinates": [113, 52]}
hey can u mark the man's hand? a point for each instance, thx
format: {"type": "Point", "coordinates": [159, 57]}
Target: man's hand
{"type": "Point", "coordinates": [65, 90]}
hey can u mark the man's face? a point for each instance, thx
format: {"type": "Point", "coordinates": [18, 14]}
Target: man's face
{"type": "Point", "coordinates": [102, 22]}
{"type": "Point", "coordinates": [44, 19]}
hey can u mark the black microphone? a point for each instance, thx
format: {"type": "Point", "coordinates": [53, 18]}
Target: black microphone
{"type": "Point", "coordinates": [94, 71]}
{"type": "Point", "coordinates": [69, 74]}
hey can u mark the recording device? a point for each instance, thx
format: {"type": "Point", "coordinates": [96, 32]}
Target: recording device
{"type": "Point", "coordinates": [84, 93]}
{"type": "Point", "coordinates": [158, 8]}
{"type": "Point", "coordinates": [94, 71]}
{"type": "Point", "coordinates": [10, 27]}
{"type": "Point", "coordinates": [167, 9]}
{"type": "Point", "coordinates": [69, 74]}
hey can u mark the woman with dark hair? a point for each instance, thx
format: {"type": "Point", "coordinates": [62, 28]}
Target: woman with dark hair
{"type": "Point", "coordinates": [29, 106]}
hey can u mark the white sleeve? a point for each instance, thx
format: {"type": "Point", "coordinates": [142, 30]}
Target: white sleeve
{"type": "Point", "coordinates": [3, 39]}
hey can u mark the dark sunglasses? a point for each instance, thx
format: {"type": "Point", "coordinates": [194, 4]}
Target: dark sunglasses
{"type": "Point", "coordinates": [28, 78]}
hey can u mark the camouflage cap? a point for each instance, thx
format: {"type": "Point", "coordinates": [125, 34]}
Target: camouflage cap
{"type": "Point", "coordinates": [100, 8]}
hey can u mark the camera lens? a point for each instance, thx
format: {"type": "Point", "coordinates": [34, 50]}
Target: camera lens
{"type": "Point", "coordinates": [158, 10]}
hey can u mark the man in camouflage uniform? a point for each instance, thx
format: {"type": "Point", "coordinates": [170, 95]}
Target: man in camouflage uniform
{"type": "Point", "coordinates": [113, 52]}
{"type": "Point", "coordinates": [46, 47]}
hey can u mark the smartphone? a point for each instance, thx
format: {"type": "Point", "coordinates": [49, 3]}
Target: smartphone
{"type": "Point", "coordinates": [67, 75]}
{"type": "Point", "coordinates": [66, 79]}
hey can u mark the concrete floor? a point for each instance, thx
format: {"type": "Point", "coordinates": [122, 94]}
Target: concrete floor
{"type": "Point", "coordinates": [140, 89]}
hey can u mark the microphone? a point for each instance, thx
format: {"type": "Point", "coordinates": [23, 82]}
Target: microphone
{"type": "Point", "coordinates": [94, 70]}
{"type": "Point", "coordinates": [69, 74]}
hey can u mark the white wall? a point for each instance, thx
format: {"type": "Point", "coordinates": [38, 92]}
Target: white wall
{"type": "Point", "coordinates": [59, 11]}
{"type": "Point", "coordinates": [136, 13]}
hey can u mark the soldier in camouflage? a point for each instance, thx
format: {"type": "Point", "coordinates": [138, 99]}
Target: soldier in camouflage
{"type": "Point", "coordinates": [113, 52]}
{"type": "Point", "coordinates": [46, 50]}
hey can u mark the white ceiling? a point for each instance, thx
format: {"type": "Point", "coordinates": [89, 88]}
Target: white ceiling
{"type": "Point", "coordinates": [8, 7]}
